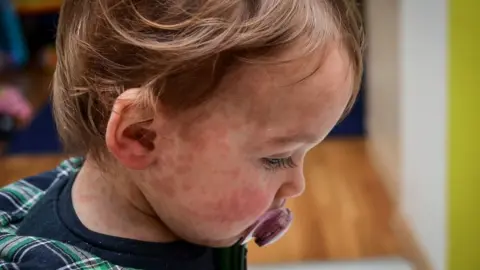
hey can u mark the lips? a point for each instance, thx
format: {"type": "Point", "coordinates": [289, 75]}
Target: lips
{"type": "Point", "coordinates": [270, 227]}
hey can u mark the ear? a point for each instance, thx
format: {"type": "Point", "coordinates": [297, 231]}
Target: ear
{"type": "Point", "coordinates": [129, 137]}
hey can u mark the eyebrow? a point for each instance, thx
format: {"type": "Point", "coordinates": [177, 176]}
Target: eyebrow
{"type": "Point", "coordinates": [297, 138]}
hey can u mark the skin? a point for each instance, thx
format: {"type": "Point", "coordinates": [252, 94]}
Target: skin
{"type": "Point", "coordinates": [202, 176]}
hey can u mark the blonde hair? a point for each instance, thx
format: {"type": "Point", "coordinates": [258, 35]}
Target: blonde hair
{"type": "Point", "coordinates": [177, 51]}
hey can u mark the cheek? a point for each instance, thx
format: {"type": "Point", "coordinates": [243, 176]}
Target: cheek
{"type": "Point", "coordinates": [161, 179]}
{"type": "Point", "coordinates": [225, 197]}
{"type": "Point", "coordinates": [238, 206]}
{"type": "Point", "coordinates": [237, 190]}
{"type": "Point", "coordinates": [231, 193]}
{"type": "Point", "coordinates": [243, 204]}
{"type": "Point", "coordinates": [209, 181]}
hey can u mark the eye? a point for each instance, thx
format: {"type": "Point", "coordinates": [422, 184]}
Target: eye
{"type": "Point", "coordinates": [273, 164]}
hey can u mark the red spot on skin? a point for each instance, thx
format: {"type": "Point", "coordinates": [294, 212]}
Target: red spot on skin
{"type": "Point", "coordinates": [186, 187]}
{"type": "Point", "coordinates": [165, 185]}
{"type": "Point", "coordinates": [224, 148]}
{"type": "Point", "coordinates": [204, 190]}
{"type": "Point", "coordinates": [188, 158]}
{"type": "Point", "coordinates": [183, 169]}
{"type": "Point", "coordinates": [234, 174]}
{"type": "Point", "coordinates": [222, 132]}
{"type": "Point", "coordinates": [200, 144]}
{"type": "Point", "coordinates": [167, 161]}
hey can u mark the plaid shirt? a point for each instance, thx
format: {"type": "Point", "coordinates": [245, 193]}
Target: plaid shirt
{"type": "Point", "coordinates": [25, 252]}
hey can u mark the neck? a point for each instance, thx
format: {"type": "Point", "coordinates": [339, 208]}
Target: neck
{"type": "Point", "coordinates": [115, 206]}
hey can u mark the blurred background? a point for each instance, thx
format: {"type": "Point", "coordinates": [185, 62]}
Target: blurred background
{"type": "Point", "coordinates": [393, 187]}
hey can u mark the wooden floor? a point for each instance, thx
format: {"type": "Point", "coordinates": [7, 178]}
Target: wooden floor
{"type": "Point", "coordinates": [344, 213]}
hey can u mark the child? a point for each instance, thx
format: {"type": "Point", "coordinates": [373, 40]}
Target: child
{"type": "Point", "coordinates": [192, 119]}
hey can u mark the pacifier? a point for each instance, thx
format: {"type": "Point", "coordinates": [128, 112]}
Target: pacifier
{"type": "Point", "coordinates": [269, 228]}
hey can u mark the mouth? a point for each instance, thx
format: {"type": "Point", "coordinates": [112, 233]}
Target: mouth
{"type": "Point", "coordinates": [270, 227]}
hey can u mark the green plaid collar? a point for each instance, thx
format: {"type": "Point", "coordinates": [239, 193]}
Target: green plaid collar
{"type": "Point", "coordinates": [20, 252]}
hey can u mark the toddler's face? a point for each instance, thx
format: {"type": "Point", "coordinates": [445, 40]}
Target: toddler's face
{"type": "Point", "coordinates": [218, 169]}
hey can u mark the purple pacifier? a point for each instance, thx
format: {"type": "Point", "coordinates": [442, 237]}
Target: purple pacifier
{"type": "Point", "coordinates": [269, 228]}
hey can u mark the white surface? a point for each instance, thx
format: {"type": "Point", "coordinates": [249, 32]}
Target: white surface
{"type": "Point", "coordinates": [393, 264]}
{"type": "Point", "coordinates": [424, 123]}
{"type": "Point", "coordinates": [406, 121]}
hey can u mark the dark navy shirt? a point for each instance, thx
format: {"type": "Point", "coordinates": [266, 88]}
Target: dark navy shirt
{"type": "Point", "coordinates": [53, 217]}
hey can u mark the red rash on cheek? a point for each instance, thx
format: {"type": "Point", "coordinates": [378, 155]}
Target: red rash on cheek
{"type": "Point", "coordinates": [234, 174]}
{"type": "Point", "coordinates": [182, 169]}
{"type": "Point", "coordinates": [223, 148]}
{"type": "Point", "coordinates": [188, 158]}
{"type": "Point", "coordinates": [186, 187]}
{"type": "Point", "coordinates": [200, 144]}
{"type": "Point", "coordinates": [165, 185]}
{"type": "Point", "coordinates": [166, 161]}
{"type": "Point", "coordinates": [243, 205]}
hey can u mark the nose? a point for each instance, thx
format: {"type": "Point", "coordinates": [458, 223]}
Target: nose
{"type": "Point", "coordinates": [293, 186]}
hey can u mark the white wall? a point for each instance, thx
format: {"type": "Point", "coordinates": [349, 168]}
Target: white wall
{"type": "Point", "coordinates": [407, 111]}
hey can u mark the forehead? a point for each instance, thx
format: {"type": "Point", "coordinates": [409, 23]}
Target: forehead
{"type": "Point", "coordinates": [301, 91]}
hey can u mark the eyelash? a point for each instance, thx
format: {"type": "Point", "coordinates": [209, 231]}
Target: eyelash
{"type": "Point", "coordinates": [273, 164]}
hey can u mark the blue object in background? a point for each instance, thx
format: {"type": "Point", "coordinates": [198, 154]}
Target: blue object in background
{"type": "Point", "coordinates": [354, 123]}
{"type": "Point", "coordinates": [12, 42]}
